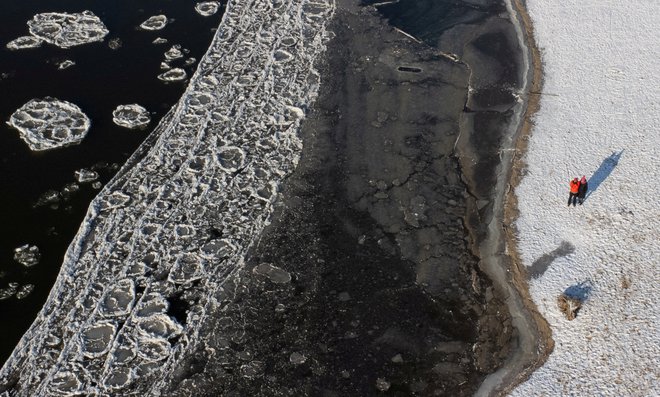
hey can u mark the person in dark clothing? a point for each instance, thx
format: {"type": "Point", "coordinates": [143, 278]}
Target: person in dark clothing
{"type": "Point", "coordinates": [575, 186]}
{"type": "Point", "coordinates": [582, 189]}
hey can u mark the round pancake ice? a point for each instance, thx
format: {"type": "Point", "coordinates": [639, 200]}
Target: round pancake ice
{"type": "Point", "coordinates": [131, 116]}
{"type": "Point", "coordinates": [157, 22]}
{"type": "Point", "coordinates": [50, 123]}
{"type": "Point", "coordinates": [67, 30]}
{"type": "Point", "coordinates": [207, 8]}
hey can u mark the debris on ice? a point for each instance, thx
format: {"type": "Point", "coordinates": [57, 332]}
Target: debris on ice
{"type": "Point", "coordinates": [50, 123]}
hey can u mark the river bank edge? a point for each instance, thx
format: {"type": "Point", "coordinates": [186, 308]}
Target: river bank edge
{"type": "Point", "coordinates": [499, 253]}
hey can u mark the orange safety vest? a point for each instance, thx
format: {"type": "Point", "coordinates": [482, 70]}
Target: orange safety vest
{"type": "Point", "coordinates": [574, 186]}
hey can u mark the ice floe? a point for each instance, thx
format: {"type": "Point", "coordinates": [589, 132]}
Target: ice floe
{"type": "Point", "coordinates": [160, 40]}
{"type": "Point", "coordinates": [165, 236]}
{"type": "Point", "coordinates": [24, 42]}
{"type": "Point", "coordinates": [115, 43]}
{"type": "Point", "coordinates": [50, 123]}
{"type": "Point", "coordinates": [174, 53]}
{"type": "Point", "coordinates": [67, 63]}
{"type": "Point", "coordinates": [176, 74]}
{"type": "Point", "coordinates": [68, 30]}
{"type": "Point", "coordinates": [9, 291]}
{"type": "Point", "coordinates": [156, 22]}
{"type": "Point", "coordinates": [85, 175]}
{"type": "Point", "coordinates": [131, 116]}
{"type": "Point", "coordinates": [27, 255]}
{"type": "Point", "coordinates": [207, 8]}
{"type": "Point", "coordinates": [24, 290]}
{"type": "Point", "coordinates": [273, 273]}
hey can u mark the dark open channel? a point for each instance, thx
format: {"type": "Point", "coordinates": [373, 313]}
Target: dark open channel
{"type": "Point", "coordinates": [101, 79]}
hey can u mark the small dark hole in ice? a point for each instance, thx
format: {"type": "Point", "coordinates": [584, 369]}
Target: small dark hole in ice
{"type": "Point", "coordinates": [178, 309]}
{"type": "Point", "coordinates": [215, 233]}
{"type": "Point", "coordinates": [409, 69]}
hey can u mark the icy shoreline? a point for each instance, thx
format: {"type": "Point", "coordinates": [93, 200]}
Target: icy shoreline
{"type": "Point", "coordinates": [178, 218]}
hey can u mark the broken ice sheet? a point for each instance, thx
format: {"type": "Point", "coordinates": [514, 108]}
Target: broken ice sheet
{"type": "Point", "coordinates": [50, 123]}
{"type": "Point", "coordinates": [27, 255]}
{"type": "Point", "coordinates": [131, 116]}
{"type": "Point", "coordinates": [67, 30]}
{"type": "Point", "coordinates": [24, 42]}
{"type": "Point", "coordinates": [156, 22]}
{"type": "Point", "coordinates": [207, 8]}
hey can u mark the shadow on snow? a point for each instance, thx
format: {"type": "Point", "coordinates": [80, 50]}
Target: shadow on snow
{"type": "Point", "coordinates": [605, 169]}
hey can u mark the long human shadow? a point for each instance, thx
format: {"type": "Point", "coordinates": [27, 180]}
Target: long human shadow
{"type": "Point", "coordinates": [605, 169]}
{"type": "Point", "coordinates": [543, 263]}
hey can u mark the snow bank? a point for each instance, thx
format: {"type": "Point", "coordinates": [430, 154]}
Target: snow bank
{"type": "Point", "coordinates": [178, 219]}
{"type": "Point", "coordinates": [599, 117]}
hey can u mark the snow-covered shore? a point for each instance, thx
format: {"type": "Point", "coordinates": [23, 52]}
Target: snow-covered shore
{"type": "Point", "coordinates": [599, 117]}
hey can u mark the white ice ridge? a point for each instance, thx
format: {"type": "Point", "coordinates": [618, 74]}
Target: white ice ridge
{"type": "Point", "coordinates": [180, 215]}
{"type": "Point", "coordinates": [49, 123]}
{"type": "Point", "coordinates": [599, 117]}
{"type": "Point", "coordinates": [67, 30]}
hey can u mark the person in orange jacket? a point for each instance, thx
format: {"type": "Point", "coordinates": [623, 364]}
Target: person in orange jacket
{"type": "Point", "coordinates": [573, 195]}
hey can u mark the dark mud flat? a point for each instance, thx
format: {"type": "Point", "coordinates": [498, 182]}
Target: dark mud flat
{"type": "Point", "coordinates": [375, 287]}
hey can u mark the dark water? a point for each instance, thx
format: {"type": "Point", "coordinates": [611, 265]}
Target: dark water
{"type": "Point", "coordinates": [101, 79]}
{"type": "Point", "coordinates": [427, 20]}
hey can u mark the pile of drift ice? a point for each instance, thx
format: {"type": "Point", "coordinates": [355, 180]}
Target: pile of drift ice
{"type": "Point", "coordinates": [177, 220]}
{"type": "Point", "coordinates": [50, 123]}
{"type": "Point", "coordinates": [131, 116]}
